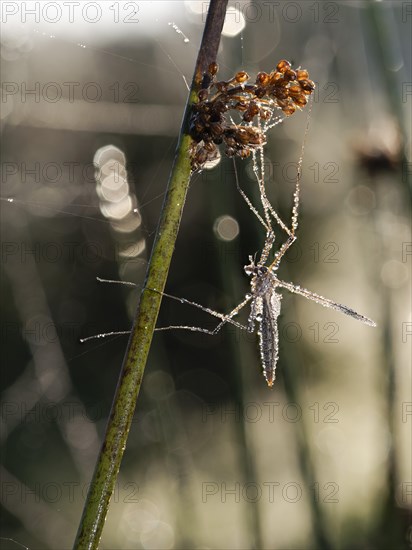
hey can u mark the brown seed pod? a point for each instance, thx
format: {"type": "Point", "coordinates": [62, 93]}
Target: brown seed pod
{"type": "Point", "coordinates": [307, 86]}
{"type": "Point", "coordinates": [240, 106]}
{"type": "Point", "coordinates": [256, 136]}
{"type": "Point", "coordinates": [290, 74]}
{"type": "Point", "coordinates": [283, 103]}
{"type": "Point", "coordinates": [244, 153]}
{"type": "Point", "coordinates": [300, 101]}
{"type": "Point", "coordinates": [213, 68]}
{"type": "Point", "coordinates": [289, 109]}
{"type": "Point", "coordinates": [201, 156]}
{"type": "Point", "coordinates": [230, 140]}
{"type": "Point", "coordinates": [253, 108]}
{"type": "Point", "coordinates": [241, 77]}
{"type": "Point", "coordinates": [283, 66]}
{"type": "Point", "coordinates": [275, 77]}
{"type": "Point", "coordinates": [209, 146]}
{"type": "Point", "coordinates": [199, 127]}
{"type": "Point", "coordinates": [242, 135]}
{"type": "Point", "coordinates": [220, 107]}
{"type": "Point", "coordinates": [251, 112]}
{"type": "Point", "coordinates": [279, 93]}
{"type": "Point", "coordinates": [260, 92]}
{"type": "Point", "coordinates": [216, 129]}
{"type": "Point", "coordinates": [221, 86]}
{"type": "Point", "coordinates": [262, 79]}
{"type": "Point", "coordinates": [265, 114]}
{"type": "Point", "coordinates": [302, 74]}
{"type": "Point", "coordinates": [203, 94]}
{"type": "Point", "coordinates": [295, 89]}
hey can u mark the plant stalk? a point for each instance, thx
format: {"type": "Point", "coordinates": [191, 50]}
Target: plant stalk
{"type": "Point", "coordinates": [114, 444]}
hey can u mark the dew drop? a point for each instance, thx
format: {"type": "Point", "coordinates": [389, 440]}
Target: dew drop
{"type": "Point", "coordinates": [179, 31]}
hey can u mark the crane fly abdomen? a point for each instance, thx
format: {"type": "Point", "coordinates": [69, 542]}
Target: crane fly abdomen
{"type": "Point", "coordinates": [269, 334]}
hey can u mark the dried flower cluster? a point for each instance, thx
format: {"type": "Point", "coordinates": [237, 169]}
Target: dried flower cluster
{"type": "Point", "coordinates": [284, 88]}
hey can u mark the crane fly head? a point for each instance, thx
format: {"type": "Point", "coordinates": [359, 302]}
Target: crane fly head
{"type": "Point", "coordinates": [255, 269]}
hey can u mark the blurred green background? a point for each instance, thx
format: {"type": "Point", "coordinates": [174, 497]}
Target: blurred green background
{"type": "Point", "coordinates": [215, 459]}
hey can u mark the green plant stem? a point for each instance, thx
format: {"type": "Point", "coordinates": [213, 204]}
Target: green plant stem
{"type": "Point", "coordinates": [111, 453]}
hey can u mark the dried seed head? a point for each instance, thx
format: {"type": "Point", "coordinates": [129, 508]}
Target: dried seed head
{"type": "Point", "coordinates": [283, 88]}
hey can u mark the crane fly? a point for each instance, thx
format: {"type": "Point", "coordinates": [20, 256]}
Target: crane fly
{"type": "Point", "coordinates": [264, 296]}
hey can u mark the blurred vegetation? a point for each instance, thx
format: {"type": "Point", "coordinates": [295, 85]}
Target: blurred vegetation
{"type": "Point", "coordinates": [214, 458]}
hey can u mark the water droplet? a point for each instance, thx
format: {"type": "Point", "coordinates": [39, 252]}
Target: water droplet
{"type": "Point", "coordinates": [179, 31]}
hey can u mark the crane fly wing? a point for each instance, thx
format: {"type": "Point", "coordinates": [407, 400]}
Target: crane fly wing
{"type": "Point", "coordinates": [269, 335]}
{"type": "Point", "coordinates": [325, 302]}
